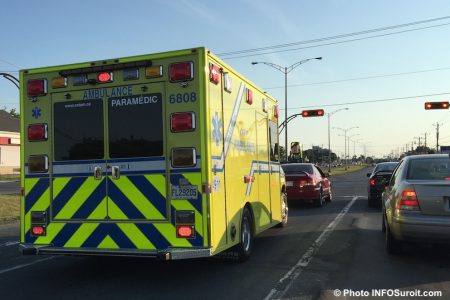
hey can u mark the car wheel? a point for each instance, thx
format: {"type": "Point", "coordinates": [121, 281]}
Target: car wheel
{"type": "Point", "coordinates": [369, 202]}
{"type": "Point", "coordinates": [284, 211]}
{"type": "Point", "coordinates": [244, 247]}
{"type": "Point", "coordinates": [329, 197]}
{"type": "Point", "coordinates": [393, 246]}
{"type": "Point", "coordinates": [383, 223]}
{"type": "Point", "coordinates": [319, 201]}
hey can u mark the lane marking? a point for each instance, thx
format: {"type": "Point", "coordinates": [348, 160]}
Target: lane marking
{"type": "Point", "coordinates": [9, 244]}
{"type": "Point", "coordinates": [286, 282]}
{"type": "Point", "coordinates": [25, 265]}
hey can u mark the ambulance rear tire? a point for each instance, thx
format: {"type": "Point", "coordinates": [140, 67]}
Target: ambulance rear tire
{"type": "Point", "coordinates": [244, 248]}
{"type": "Point", "coordinates": [284, 211]}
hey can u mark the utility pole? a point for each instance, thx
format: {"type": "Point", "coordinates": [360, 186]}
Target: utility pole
{"type": "Point", "coordinates": [418, 139]}
{"type": "Point", "coordinates": [426, 139]}
{"type": "Point", "coordinates": [437, 136]}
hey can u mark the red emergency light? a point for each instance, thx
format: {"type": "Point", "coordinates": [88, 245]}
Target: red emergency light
{"type": "Point", "coordinates": [181, 71]}
{"type": "Point", "coordinates": [37, 132]}
{"type": "Point", "coordinates": [182, 121]}
{"type": "Point", "coordinates": [37, 87]}
{"type": "Point", "coordinates": [104, 77]}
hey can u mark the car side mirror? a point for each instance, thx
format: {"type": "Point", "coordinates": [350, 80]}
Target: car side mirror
{"type": "Point", "coordinates": [368, 174]}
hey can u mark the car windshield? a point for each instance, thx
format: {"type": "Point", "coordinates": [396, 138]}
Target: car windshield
{"type": "Point", "coordinates": [429, 169]}
{"type": "Point", "coordinates": [385, 167]}
{"type": "Point", "coordinates": [297, 168]}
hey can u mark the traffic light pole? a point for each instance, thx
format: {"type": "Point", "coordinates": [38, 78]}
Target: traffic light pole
{"type": "Point", "coordinates": [11, 78]}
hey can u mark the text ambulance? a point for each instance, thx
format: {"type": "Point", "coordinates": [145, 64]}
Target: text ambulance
{"type": "Point", "coordinates": [171, 155]}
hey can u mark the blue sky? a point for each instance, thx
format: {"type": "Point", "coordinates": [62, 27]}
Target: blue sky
{"type": "Point", "coordinates": [44, 33]}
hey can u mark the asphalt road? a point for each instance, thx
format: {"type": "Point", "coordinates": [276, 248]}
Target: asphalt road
{"type": "Point", "coordinates": [338, 248]}
{"type": "Point", "coordinates": [9, 187]}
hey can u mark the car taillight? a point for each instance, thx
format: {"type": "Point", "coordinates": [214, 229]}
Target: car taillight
{"type": "Point", "coordinates": [185, 231]}
{"type": "Point", "coordinates": [181, 71]}
{"type": "Point", "coordinates": [37, 87]}
{"type": "Point", "coordinates": [372, 182]}
{"type": "Point", "coordinates": [182, 122]}
{"type": "Point", "coordinates": [408, 201]}
{"type": "Point", "coordinates": [37, 132]}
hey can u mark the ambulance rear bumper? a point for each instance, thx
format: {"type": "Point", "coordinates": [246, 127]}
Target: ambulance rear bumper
{"type": "Point", "coordinates": [165, 254]}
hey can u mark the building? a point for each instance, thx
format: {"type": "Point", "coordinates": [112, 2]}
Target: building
{"type": "Point", "coordinates": [9, 143]}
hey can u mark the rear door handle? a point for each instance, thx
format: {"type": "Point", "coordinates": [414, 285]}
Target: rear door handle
{"type": "Point", "coordinates": [115, 172]}
{"type": "Point", "coordinates": [97, 173]}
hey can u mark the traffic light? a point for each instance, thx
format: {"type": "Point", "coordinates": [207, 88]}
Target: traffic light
{"type": "Point", "coordinates": [437, 105]}
{"type": "Point", "coordinates": [313, 113]}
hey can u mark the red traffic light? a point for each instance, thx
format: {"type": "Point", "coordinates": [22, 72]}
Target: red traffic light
{"type": "Point", "coordinates": [437, 105]}
{"type": "Point", "coordinates": [313, 113]}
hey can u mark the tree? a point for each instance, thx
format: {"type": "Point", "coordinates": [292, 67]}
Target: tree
{"type": "Point", "coordinates": [12, 112]}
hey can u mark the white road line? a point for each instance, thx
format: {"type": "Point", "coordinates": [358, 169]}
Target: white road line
{"type": "Point", "coordinates": [286, 282]}
{"type": "Point", "coordinates": [25, 265]}
{"type": "Point", "coordinates": [9, 244]}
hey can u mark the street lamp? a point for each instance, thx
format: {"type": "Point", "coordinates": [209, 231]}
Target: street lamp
{"type": "Point", "coordinates": [11, 78]}
{"type": "Point", "coordinates": [329, 139]}
{"type": "Point", "coordinates": [345, 139]}
{"type": "Point", "coordinates": [348, 145]}
{"type": "Point", "coordinates": [285, 71]}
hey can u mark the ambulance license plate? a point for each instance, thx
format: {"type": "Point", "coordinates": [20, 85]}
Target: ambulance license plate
{"type": "Point", "coordinates": [184, 192]}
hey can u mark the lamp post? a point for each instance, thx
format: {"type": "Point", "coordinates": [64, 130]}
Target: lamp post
{"type": "Point", "coordinates": [345, 139]}
{"type": "Point", "coordinates": [329, 139]}
{"type": "Point", "coordinates": [348, 145]}
{"type": "Point", "coordinates": [11, 78]}
{"type": "Point", "coordinates": [285, 71]}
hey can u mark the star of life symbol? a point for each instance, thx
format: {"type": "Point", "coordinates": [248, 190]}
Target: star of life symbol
{"type": "Point", "coordinates": [217, 126]}
{"type": "Point", "coordinates": [36, 112]}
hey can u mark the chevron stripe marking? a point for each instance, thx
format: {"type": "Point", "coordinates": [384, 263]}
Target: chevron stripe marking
{"type": "Point", "coordinates": [80, 236]}
{"type": "Point", "coordinates": [92, 202]}
{"type": "Point", "coordinates": [153, 188]}
{"type": "Point", "coordinates": [72, 196]}
{"type": "Point", "coordinates": [144, 203]}
{"type": "Point", "coordinates": [136, 236]}
{"type": "Point", "coordinates": [35, 193]}
{"type": "Point", "coordinates": [108, 243]}
{"type": "Point", "coordinates": [113, 231]}
{"type": "Point", "coordinates": [127, 207]}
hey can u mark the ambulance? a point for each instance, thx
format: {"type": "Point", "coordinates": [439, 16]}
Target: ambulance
{"type": "Point", "coordinates": [170, 155]}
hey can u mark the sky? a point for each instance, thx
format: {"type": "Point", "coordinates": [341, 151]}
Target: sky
{"type": "Point", "coordinates": [383, 76]}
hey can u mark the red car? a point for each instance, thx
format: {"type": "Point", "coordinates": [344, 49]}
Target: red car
{"type": "Point", "coordinates": [307, 183]}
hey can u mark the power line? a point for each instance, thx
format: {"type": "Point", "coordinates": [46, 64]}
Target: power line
{"type": "Point", "coordinates": [331, 37]}
{"type": "Point", "coordinates": [371, 101]}
{"type": "Point", "coordinates": [361, 78]}
{"type": "Point", "coordinates": [339, 42]}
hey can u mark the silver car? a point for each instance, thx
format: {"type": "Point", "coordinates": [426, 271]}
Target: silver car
{"type": "Point", "coordinates": [416, 203]}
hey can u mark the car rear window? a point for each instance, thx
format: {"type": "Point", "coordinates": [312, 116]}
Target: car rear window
{"type": "Point", "coordinates": [385, 167]}
{"type": "Point", "coordinates": [294, 168]}
{"type": "Point", "coordinates": [429, 169]}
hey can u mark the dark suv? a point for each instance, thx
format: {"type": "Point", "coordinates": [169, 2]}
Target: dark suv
{"type": "Point", "coordinates": [378, 179]}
